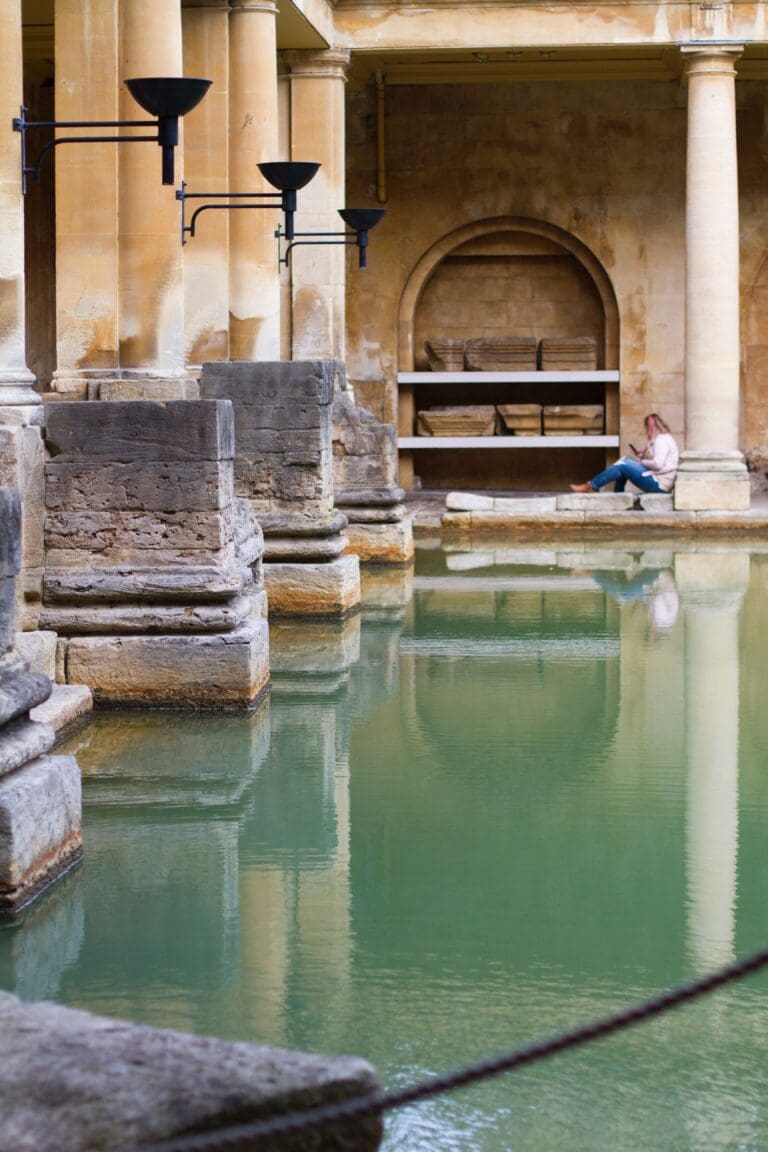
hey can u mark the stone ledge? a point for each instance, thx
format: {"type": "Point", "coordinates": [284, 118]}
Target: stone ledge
{"type": "Point", "coordinates": [67, 706]}
{"type": "Point", "coordinates": [73, 1080]}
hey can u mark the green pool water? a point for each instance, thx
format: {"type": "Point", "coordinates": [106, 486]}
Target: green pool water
{"type": "Point", "coordinates": [521, 789]}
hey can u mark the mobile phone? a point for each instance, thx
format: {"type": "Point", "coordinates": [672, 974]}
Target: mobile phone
{"type": "Point", "coordinates": [634, 450]}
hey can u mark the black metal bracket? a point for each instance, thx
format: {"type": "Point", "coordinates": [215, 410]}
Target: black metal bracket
{"type": "Point", "coordinates": [360, 238]}
{"type": "Point", "coordinates": [285, 202]}
{"type": "Point", "coordinates": [22, 125]}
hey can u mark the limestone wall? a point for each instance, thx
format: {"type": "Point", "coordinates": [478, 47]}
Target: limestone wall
{"type": "Point", "coordinates": [605, 163]}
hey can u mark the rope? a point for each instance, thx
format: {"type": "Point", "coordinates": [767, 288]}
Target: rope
{"type": "Point", "coordinates": [373, 1104]}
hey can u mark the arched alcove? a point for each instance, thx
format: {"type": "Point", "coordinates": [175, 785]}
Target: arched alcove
{"type": "Point", "coordinates": [502, 239]}
{"type": "Point", "coordinates": [507, 276]}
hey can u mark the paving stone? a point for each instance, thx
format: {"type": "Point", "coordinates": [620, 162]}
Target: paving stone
{"type": "Point", "coordinates": [525, 505]}
{"type": "Point", "coordinates": [468, 502]}
{"type": "Point", "coordinates": [656, 501]}
{"type": "Point", "coordinates": [595, 502]}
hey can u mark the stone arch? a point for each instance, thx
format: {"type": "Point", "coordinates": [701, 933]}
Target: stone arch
{"type": "Point", "coordinates": [429, 262]}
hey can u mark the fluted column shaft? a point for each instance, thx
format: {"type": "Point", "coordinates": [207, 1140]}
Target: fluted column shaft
{"type": "Point", "coordinates": [15, 378]}
{"type": "Point", "coordinates": [254, 280]}
{"type": "Point", "coordinates": [318, 133]}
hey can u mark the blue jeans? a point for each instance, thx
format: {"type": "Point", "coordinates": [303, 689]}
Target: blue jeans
{"type": "Point", "coordinates": [623, 470]}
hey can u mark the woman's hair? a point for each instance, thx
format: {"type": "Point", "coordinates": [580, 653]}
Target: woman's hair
{"type": "Point", "coordinates": [654, 423]}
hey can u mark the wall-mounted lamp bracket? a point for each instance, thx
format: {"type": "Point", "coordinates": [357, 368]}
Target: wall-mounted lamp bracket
{"type": "Point", "coordinates": [188, 229]}
{"type": "Point", "coordinates": [286, 176]}
{"type": "Point", "coordinates": [360, 219]}
{"type": "Point", "coordinates": [166, 97]}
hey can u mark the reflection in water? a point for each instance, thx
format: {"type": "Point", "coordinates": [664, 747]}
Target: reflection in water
{"type": "Point", "coordinates": [517, 791]}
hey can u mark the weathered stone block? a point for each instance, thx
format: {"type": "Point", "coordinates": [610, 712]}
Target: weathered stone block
{"type": "Point", "coordinates": [525, 505]}
{"type": "Point", "coordinates": [139, 389]}
{"type": "Point", "coordinates": [66, 706]}
{"type": "Point", "coordinates": [20, 691]}
{"type": "Point", "coordinates": [21, 741]}
{"type": "Point", "coordinates": [302, 549]}
{"type": "Point", "coordinates": [377, 514]}
{"type": "Point", "coordinates": [39, 826]}
{"type": "Point", "coordinates": [172, 583]}
{"type": "Point", "coordinates": [10, 532]}
{"type": "Point", "coordinates": [148, 486]}
{"type": "Point", "coordinates": [38, 650]}
{"type": "Point", "coordinates": [595, 502]}
{"type": "Point", "coordinates": [286, 381]}
{"type": "Point", "coordinates": [381, 543]}
{"type": "Point", "coordinates": [226, 670]}
{"type": "Point", "coordinates": [94, 619]}
{"type": "Point", "coordinates": [712, 492]}
{"type": "Point", "coordinates": [656, 501]}
{"type": "Point", "coordinates": [81, 1082]}
{"type": "Point", "coordinates": [115, 533]}
{"type": "Point", "coordinates": [120, 432]}
{"type": "Point", "coordinates": [468, 502]}
{"type": "Point", "coordinates": [330, 589]}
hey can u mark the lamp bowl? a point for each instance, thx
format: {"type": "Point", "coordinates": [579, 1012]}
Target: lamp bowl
{"type": "Point", "coordinates": [361, 219]}
{"type": "Point", "coordinates": [167, 95]}
{"type": "Point", "coordinates": [288, 175]}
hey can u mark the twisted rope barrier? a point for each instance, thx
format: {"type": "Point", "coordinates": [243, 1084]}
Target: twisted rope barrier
{"type": "Point", "coordinates": [361, 1107]}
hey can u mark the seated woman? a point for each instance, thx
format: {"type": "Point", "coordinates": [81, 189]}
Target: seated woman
{"type": "Point", "coordinates": [652, 470]}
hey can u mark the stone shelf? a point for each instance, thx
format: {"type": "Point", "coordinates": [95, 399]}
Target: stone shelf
{"type": "Point", "coordinates": [597, 377]}
{"type": "Point", "coordinates": [410, 442]}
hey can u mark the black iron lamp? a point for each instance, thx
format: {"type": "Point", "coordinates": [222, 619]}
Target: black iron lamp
{"type": "Point", "coordinates": [165, 97]}
{"type": "Point", "coordinates": [360, 220]}
{"type": "Point", "coordinates": [286, 176]}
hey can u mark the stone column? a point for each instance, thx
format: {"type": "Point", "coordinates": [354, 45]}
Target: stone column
{"type": "Point", "coordinates": [317, 133]}
{"type": "Point", "coordinates": [21, 412]}
{"type": "Point", "coordinates": [151, 282]}
{"type": "Point", "coordinates": [16, 381]}
{"type": "Point", "coordinates": [87, 88]}
{"type": "Point", "coordinates": [206, 149]}
{"type": "Point", "coordinates": [711, 588]}
{"type": "Point", "coordinates": [254, 278]}
{"type": "Point", "coordinates": [713, 473]}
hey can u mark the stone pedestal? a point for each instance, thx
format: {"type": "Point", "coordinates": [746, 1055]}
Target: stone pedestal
{"type": "Point", "coordinates": [153, 577]}
{"type": "Point", "coordinates": [364, 480]}
{"type": "Point", "coordinates": [283, 469]}
{"type": "Point", "coordinates": [40, 805]}
{"type": "Point", "coordinates": [713, 475]}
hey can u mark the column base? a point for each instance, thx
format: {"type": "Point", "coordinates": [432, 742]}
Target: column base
{"type": "Point", "coordinates": [223, 671]}
{"type": "Point", "coordinates": [712, 482]}
{"type": "Point", "coordinates": [17, 388]}
{"type": "Point", "coordinates": [329, 589]}
{"type": "Point", "coordinates": [381, 543]}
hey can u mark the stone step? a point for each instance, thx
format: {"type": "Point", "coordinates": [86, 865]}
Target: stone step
{"type": "Point", "coordinates": [657, 501]}
{"type": "Point", "coordinates": [596, 502]}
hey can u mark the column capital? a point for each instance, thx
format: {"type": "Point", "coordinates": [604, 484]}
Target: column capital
{"type": "Point", "coordinates": [710, 56]}
{"type": "Point", "coordinates": [330, 63]}
{"type": "Point", "coordinates": [269, 6]}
